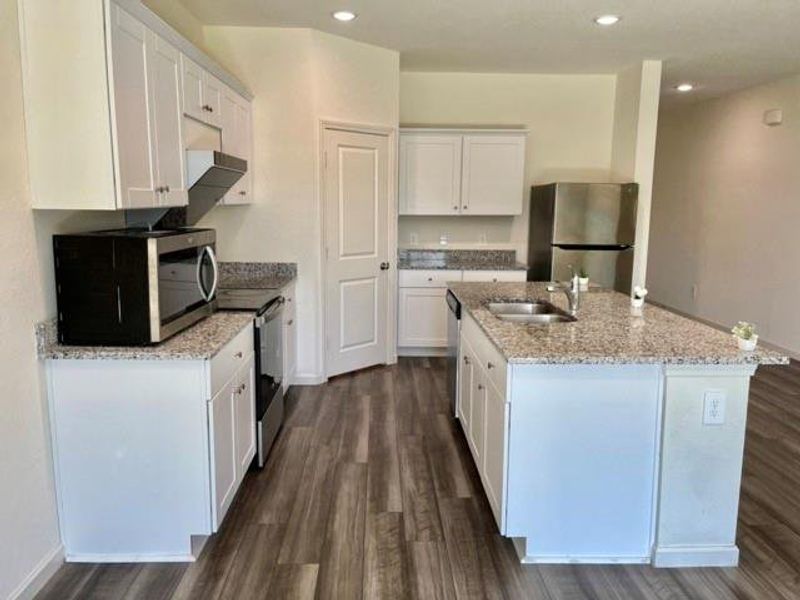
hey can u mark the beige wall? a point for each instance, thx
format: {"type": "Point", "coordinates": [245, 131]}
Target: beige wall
{"type": "Point", "coordinates": [726, 211]}
{"type": "Point", "coordinates": [570, 118]}
{"type": "Point", "coordinates": [298, 76]}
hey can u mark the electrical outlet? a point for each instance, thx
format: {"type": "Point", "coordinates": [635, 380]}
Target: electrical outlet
{"type": "Point", "coordinates": [443, 239]}
{"type": "Point", "coordinates": [482, 238]}
{"type": "Point", "coordinates": [694, 291]}
{"type": "Point", "coordinates": [714, 408]}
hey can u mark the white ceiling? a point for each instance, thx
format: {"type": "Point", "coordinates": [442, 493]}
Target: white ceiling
{"type": "Point", "coordinates": [721, 45]}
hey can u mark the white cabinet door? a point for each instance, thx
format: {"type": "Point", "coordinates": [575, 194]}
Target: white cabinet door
{"type": "Point", "coordinates": [165, 81]}
{"type": "Point", "coordinates": [289, 338]}
{"type": "Point", "coordinates": [465, 383]}
{"type": "Point", "coordinates": [430, 174]}
{"type": "Point", "coordinates": [212, 99]}
{"type": "Point", "coordinates": [222, 442]}
{"type": "Point", "coordinates": [236, 140]}
{"type": "Point", "coordinates": [245, 417]}
{"type": "Point", "coordinates": [133, 120]}
{"type": "Point", "coordinates": [192, 76]}
{"type": "Point", "coordinates": [492, 180]}
{"type": "Point", "coordinates": [477, 417]}
{"type": "Point", "coordinates": [494, 456]}
{"type": "Point", "coordinates": [422, 319]}
{"type": "Point", "coordinates": [494, 276]}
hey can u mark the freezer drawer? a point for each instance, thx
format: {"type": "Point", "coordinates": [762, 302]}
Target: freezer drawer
{"type": "Point", "coordinates": [608, 268]}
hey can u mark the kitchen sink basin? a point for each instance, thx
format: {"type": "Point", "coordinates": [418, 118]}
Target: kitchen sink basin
{"type": "Point", "coordinates": [539, 311]}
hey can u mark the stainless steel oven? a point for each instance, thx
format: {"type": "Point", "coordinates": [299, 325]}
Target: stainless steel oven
{"type": "Point", "coordinates": [269, 381]}
{"type": "Point", "coordinates": [133, 286]}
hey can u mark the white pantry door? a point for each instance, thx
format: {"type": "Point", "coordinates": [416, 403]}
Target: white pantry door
{"type": "Point", "coordinates": [356, 197]}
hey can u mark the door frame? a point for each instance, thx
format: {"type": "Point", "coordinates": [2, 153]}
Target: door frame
{"type": "Point", "coordinates": [391, 134]}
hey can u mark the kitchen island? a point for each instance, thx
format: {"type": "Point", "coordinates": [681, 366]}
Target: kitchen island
{"type": "Point", "coordinates": [616, 438]}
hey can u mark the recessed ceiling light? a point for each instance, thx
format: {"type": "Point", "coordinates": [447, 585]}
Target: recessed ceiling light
{"type": "Point", "coordinates": [684, 87]}
{"type": "Point", "coordinates": [344, 15]}
{"type": "Point", "coordinates": [607, 20]}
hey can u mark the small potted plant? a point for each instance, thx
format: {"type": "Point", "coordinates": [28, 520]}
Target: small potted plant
{"type": "Point", "coordinates": [583, 280]}
{"type": "Point", "coordinates": [746, 336]}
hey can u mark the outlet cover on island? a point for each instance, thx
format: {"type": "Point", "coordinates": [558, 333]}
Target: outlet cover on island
{"type": "Point", "coordinates": [714, 408]}
{"type": "Point", "coordinates": [443, 239]}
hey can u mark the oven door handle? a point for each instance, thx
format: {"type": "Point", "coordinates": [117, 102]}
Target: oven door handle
{"type": "Point", "coordinates": [213, 256]}
{"type": "Point", "coordinates": [268, 314]}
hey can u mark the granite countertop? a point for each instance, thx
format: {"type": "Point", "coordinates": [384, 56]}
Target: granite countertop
{"type": "Point", "coordinates": [605, 333]}
{"type": "Point", "coordinates": [256, 275]}
{"type": "Point", "coordinates": [459, 260]}
{"type": "Point", "coordinates": [199, 342]}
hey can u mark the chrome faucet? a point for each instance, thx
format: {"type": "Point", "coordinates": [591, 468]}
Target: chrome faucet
{"type": "Point", "coordinates": [572, 289]}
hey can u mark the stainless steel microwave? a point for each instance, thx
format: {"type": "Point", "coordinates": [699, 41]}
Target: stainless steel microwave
{"type": "Point", "coordinates": [129, 287]}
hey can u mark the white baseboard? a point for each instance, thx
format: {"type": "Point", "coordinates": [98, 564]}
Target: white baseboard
{"type": "Point", "coordinates": [128, 558]}
{"type": "Point", "coordinates": [520, 545]}
{"type": "Point", "coordinates": [696, 556]}
{"type": "Point", "coordinates": [40, 575]}
{"type": "Point", "coordinates": [308, 379]}
{"type": "Point", "coordinates": [422, 352]}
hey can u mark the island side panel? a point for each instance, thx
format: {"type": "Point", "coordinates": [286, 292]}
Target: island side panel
{"type": "Point", "coordinates": [701, 466]}
{"type": "Point", "coordinates": [582, 462]}
{"type": "Point", "coordinates": [130, 445]}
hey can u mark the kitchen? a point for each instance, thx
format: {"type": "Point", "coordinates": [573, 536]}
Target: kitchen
{"type": "Point", "coordinates": [305, 86]}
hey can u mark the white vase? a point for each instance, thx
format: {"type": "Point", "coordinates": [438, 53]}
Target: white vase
{"type": "Point", "coordinates": [747, 345]}
{"type": "Point", "coordinates": [583, 282]}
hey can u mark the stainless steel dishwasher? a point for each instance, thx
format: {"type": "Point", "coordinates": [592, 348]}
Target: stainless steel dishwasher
{"type": "Point", "coordinates": [453, 335]}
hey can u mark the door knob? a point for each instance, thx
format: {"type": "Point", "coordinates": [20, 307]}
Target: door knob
{"type": "Point", "coordinates": [384, 266]}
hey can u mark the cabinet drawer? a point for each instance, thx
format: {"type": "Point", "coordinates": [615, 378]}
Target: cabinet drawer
{"type": "Point", "coordinates": [494, 275]}
{"type": "Point", "coordinates": [489, 357]}
{"type": "Point", "coordinates": [431, 278]}
{"type": "Point", "coordinates": [228, 360]}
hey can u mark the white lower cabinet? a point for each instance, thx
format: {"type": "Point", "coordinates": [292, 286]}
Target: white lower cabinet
{"type": "Point", "coordinates": [483, 412]}
{"type": "Point", "coordinates": [149, 453]}
{"type": "Point", "coordinates": [422, 312]}
{"type": "Point", "coordinates": [422, 317]}
{"type": "Point", "coordinates": [289, 337]}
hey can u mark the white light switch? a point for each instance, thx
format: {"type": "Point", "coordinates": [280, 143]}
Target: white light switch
{"type": "Point", "coordinates": [714, 408]}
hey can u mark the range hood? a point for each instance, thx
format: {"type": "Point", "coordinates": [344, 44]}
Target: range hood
{"type": "Point", "coordinates": [209, 176]}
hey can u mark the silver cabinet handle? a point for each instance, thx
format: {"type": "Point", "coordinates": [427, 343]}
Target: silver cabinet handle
{"type": "Point", "coordinates": [384, 266]}
{"type": "Point", "coordinates": [466, 360]}
{"type": "Point", "coordinates": [430, 278]}
{"type": "Point", "coordinates": [455, 207]}
{"type": "Point", "coordinates": [290, 321]}
{"type": "Point", "coordinates": [490, 365]}
{"type": "Point", "coordinates": [465, 207]}
{"type": "Point", "coordinates": [208, 108]}
{"type": "Point", "coordinates": [166, 189]}
{"type": "Point", "coordinates": [480, 386]}
{"type": "Point", "coordinates": [243, 192]}
{"type": "Point", "coordinates": [238, 354]}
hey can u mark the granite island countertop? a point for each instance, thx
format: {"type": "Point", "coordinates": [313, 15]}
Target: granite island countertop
{"type": "Point", "coordinates": [201, 341]}
{"type": "Point", "coordinates": [606, 331]}
{"type": "Point", "coordinates": [459, 260]}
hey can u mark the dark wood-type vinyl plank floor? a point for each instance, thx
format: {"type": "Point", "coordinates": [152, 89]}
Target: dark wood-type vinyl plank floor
{"type": "Point", "coordinates": [370, 492]}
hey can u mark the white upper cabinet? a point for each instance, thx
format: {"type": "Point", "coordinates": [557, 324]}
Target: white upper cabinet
{"type": "Point", "coordinates": [493, 174]}
{"type": "Point", "coordinates": [133, 111]}
{"type": "Point", "coordinates": [430, 174]}
{"type": "Point", "coordinates": [202, 93]}
{"type": "Point", "coordinates": [462, 173]}
{"type": "Point", "coordinates": [165, 75]}
{"type": "Point", "coordinates": [105, 101]}
{"type": "Point", "coordinates": [237, 140]}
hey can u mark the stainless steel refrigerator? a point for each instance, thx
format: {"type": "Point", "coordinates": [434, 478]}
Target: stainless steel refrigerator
{"type": "Point", "coordinates": [586, 226]}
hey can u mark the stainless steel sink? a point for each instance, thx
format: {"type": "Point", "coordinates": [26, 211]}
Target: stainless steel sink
{"type": "Point", "coordinates": [539, 311]}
